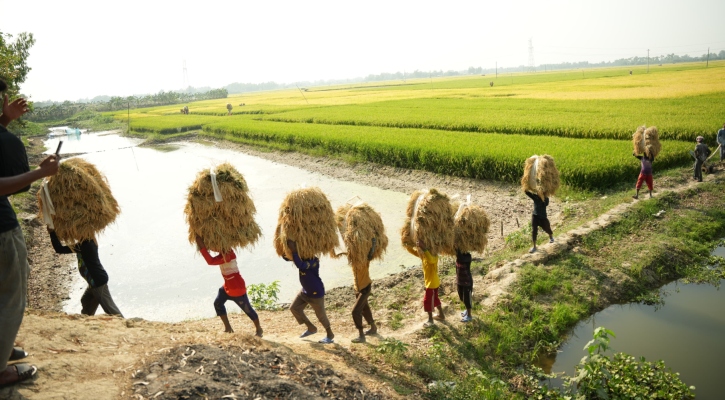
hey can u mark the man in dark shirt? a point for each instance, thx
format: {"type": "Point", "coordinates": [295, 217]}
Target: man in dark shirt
{"type": "Point", "coordinates": [90, 268]}
{"type": "Point", "coordinates": [15, 177]}
{"type": "Point", "coordinates": [702, 152]}
{"type": "Point", "coordinates": [539, 219]}
{"type": "Point", "coordinates": [312, 293]}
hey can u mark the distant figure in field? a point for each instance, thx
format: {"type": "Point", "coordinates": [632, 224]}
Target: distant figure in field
{"type": "Point", "coordinates": [630, 72]}
{"type": "Point", "coordinates": [186, 110]}
{"type": "Point", "coordinates": [702, 152]}
{"type": "Point", "coordinates": [182, 111]}
{"type": "Point", "coordinates": [491, 83]}
{"type": "Point", "coordinates": [241, 104]}
{"type": "Point", "coordinates": [645, 174]}
{"type": "Point", "coordinates": [721, 142]}
{"type": "Point", "coordinates": [229, 108]}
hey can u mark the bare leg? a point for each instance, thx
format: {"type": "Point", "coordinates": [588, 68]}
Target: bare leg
{"type": "Point", "coordinates": [258, 327]}
{"type": "Point", "coordinates": [227, 326]}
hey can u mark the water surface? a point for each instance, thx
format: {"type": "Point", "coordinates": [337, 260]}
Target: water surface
{"type": "Point", "coordinates": [156, 274]}
{"type": "Point", "coordinates": [688, 333]}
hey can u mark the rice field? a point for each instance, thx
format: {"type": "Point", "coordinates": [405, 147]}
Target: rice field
{"type": "Point", "coordinates": [463, 126]}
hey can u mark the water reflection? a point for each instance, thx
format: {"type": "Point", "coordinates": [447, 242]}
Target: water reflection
{"type": "Point", "coordinates": [156, 274]}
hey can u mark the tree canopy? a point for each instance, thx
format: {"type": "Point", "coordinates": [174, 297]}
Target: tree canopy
{"type": "Point", "coordinates": [13, 59]}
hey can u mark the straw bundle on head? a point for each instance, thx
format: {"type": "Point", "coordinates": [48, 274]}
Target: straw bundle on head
{"type": "Point", "coordinates": [652, 142]}
{"type": "Point", "coordinates": [226, 224]}
{"type": "Point", "coordinates": [638, 140]}
{"type": "Point", "coordinates": [471, 226]}
{"type": "Point", "coordinates": [306, 217]}
{"type": "Point", "coordinates": [540, 176]}
{"type": "Point", "coordinates": [358, 226]}
{"type": "Point", "coordinates": [82, 199]}
{"type": "Point", "coordinates": [429, 219]}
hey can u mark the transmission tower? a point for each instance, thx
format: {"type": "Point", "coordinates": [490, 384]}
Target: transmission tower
{"type": "Point", "coordinates": [186, 76]}
{"type": "Point", "coordinates": [531, 57]}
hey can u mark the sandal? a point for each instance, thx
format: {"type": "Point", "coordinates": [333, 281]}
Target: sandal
{"type": "Point", "coordinates": [326, 340]}
{"type": "Point", "coordinates": [23, 371]}
{"type": "Point", "coordinates": [17, 354]}
{"type": "Point", "coordinates": [307, 333]}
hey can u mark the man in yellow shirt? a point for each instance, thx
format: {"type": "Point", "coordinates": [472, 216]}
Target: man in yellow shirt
{"type": "Point", "coordinates": [432, 282]}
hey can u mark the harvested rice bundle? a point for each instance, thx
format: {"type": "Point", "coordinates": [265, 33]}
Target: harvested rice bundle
{"type": "Point", "coordinates": [358, 225]}
{"type": "Point", "coordinates": [471, 226]}
{"type": "Point", "coordinates": [638, 140]}
{"type": "Point", "coordinates": [306, 217]}
{"type": "Point", "coordinates": [429, 219]}
{"type": "Point", "coordinates": [652, 142]}
{"type": "Point", "coordinates": [225, 224]}
{"type": "Point", "coordinates": [82, 201]}
{"type": "Point", "coordinates": [540, 176]}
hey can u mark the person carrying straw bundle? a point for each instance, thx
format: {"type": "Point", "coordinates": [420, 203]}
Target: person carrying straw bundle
{"type": "Point", "coordinates": [364, 236]}
{"type": "Point", "coordinates": [76, 205]}
{"type": "Point", "coordinates": [428, 232]}
{"type": "Point", "coordinates": [540, 180]}
{"type": "Point", "coordinates": [471, 226]}
{"type": "Point", "coordinates": [222, 194]}
{"type": "Point", "coordinates": [306, 229]}
{"type": "Point", "coordinates": [702, 152]}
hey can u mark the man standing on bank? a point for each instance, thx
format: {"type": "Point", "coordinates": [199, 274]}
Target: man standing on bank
{"type": "Point", "coordinates": [15, 177]}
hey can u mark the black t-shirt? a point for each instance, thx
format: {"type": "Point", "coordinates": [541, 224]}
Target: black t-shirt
{"type": "Point", "coordinates": [13, 161]}
{"type": "Point", "coordinates": [89, 265]}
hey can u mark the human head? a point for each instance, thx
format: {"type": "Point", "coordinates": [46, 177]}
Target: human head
{"type": "Point", "coordinates": [700, 139]}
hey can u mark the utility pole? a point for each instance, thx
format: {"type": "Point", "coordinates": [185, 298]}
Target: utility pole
{"type": "Point", "coordinates": [648, 61]}
{"type": "Point", "coordinates": [708, 58]}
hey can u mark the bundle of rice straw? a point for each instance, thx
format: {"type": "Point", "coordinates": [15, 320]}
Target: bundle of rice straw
{"type": "Point", "coordinates": [82, 201]}
{"type": "Point", "coordinates": [225, 224]}
{"type": "Point", "coordinates": [471, 226]}
{"type": "Point", "coordinates": [540, 176]}
{"type": "Point", "coordinates": [638, 140]}
{"type": "Point", "coordinates": [306, 217]}
{"type": "Point", "coordinates": [429, 219]}
{"type": "Point", "coordinates": [652, 142]}
{"type": "Point", "coordinates": [359, 224]}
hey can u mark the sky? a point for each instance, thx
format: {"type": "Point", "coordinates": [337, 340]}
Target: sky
{"type": "Point", "coordinates": [88, 48]}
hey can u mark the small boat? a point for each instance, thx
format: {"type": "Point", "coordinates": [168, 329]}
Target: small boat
{"type": "Point", "coordinates": [63, 131]}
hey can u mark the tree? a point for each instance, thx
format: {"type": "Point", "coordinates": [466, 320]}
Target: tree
{"type": "Point", "coordinates": [13, 59]}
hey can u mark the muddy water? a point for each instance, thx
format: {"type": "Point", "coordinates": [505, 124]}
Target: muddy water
{"type": "Point", "coordinates": [688, 333]}
{"type": "Point", "coordinates": [156, 274]}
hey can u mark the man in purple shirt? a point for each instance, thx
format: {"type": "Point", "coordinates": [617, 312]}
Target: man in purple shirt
{"type": "Point", "coordinates": [645, 174]}
{"type": "Point", "coordinates": [312, 293]}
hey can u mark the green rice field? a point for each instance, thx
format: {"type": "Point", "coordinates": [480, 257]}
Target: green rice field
{"type": "Point", "coordinates": [466, 127]}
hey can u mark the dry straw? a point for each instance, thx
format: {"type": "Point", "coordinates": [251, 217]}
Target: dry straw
{"type": "Point", "coordinates": [429, 219]}
{"type": "Point", "coordinates": [471, 226]}
{"type": "Point", "coordinates": [359, 225]}
{"type": "Point", "coordinates": [82, 199]}
{"type": "Point", "coordinates": [540, 176]}
{"type": "Point", "coordinates": [638, 140]}
{"type": "Point", "coordinates": [222, 225]}
{"type": "Point", "coordinates": [652, 142]}
{"type": "Point", "coordinates": [306, 217]}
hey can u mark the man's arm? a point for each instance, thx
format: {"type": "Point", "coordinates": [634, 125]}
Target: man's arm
{"type": "Point", "coordinates": [57, 246]}
{"type": "Point", "coordinates": [12, 184]}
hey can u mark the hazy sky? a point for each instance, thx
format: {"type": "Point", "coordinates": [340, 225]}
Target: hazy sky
{"type": "Point", "coordinates": [89, 48]}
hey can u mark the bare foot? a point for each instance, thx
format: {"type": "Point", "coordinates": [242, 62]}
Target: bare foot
{"type": "Point", "coordinates": [259, 332]}
{"type": "Point", "coordinates": [439, 317]}
{"type": "Point", "coordinates": [230, 330]}
{"type": "Point", "coordinates": [359, 339]}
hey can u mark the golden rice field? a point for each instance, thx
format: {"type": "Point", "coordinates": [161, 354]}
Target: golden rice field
{"type": "Point", "coordinates": [463, 126]}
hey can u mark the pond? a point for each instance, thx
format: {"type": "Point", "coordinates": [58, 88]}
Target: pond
{"type": "Point", "coordinates": [688, 333]}
{"type": "Point", "coordinates": [156, 274]}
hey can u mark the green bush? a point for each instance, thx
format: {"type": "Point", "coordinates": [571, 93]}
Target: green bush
{"type": "Point", "coordinates": [264, 296]}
